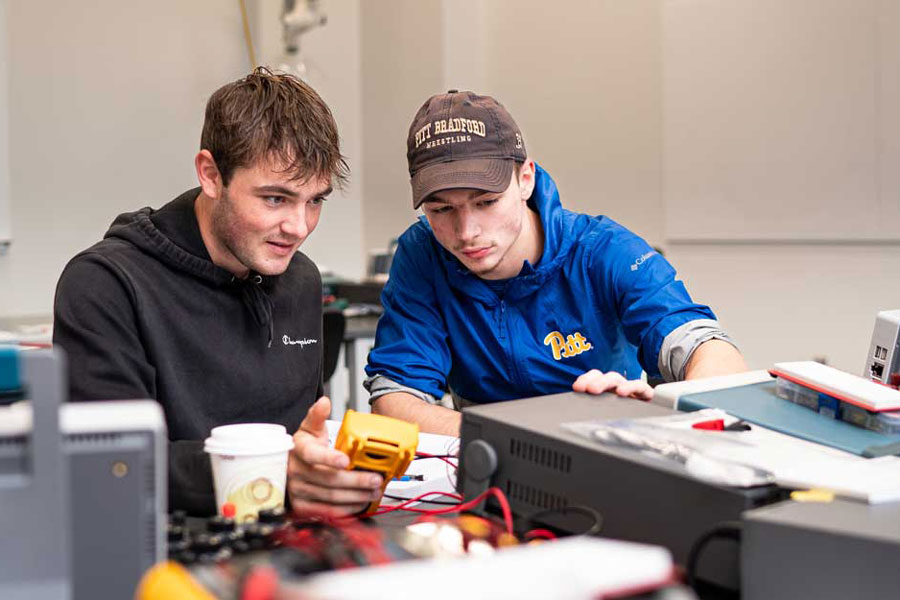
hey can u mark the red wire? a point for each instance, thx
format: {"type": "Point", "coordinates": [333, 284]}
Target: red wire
{"type": "Point", "coordinates": [540, 533]}
{"type": "Point", "coordinates": [494, 491]}
{"type": "Point", "coordinates": [454, 452]}
{"type": "Point", "coordinates": [504, 506]}
{"type": "Point", "coordinates": [406, 503]}
{"type": "Point", "coordinates": [443, 458]}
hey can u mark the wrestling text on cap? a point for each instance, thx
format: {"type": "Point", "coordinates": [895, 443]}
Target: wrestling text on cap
{"type": "Point", "coordinates": [462, 140]}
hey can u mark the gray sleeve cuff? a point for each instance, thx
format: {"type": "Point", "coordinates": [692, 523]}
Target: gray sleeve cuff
{"type": "Point", "coordinates": [379, 385]}
{"type": "Point", "coordinates": [678, 347]}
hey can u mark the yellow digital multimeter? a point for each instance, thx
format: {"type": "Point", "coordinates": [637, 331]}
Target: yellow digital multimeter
{"type": "Point", "coordinates": [379, 444]}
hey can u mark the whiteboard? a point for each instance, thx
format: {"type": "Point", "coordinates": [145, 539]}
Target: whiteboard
{"type": "Point", "coordinates": [781, 120]}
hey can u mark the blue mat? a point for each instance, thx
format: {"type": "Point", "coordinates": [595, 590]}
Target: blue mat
{"type": "Point", "coordinates": [757, 403]}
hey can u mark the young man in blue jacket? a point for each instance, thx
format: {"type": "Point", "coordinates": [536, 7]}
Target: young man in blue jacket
{"type": "Point", "coordinates": [497, 292]}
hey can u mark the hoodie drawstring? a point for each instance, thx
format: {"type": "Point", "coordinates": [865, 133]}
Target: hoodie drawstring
{"type": "Point", "coordinates": [259, 303]}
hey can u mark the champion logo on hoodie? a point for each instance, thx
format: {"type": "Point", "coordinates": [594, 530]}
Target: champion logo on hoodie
{"type": "Point", "coordinates": [287, 341]}
{"type": "Point", "coordinates": [567, 347]}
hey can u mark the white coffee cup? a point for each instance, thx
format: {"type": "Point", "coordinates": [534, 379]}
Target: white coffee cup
{"type": "Point", "coordinates": [249, 465]}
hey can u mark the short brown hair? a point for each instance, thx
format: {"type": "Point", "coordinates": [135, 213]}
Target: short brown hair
{"type": "Point", "coordinates": [273, 115]}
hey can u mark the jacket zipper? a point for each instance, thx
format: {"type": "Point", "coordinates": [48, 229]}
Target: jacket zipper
{"type": "Point", "coordinates": [510, 350]}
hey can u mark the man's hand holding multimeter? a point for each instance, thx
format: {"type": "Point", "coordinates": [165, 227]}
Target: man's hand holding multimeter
{"type": "Point", "coordinates": [377, 444]}
{"type": "Point", "coordinates": [319, 481]}
{"type": "Point", "coordinates": [349, 479]}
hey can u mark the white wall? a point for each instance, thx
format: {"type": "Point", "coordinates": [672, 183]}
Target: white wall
{"type": "Point", "coordinates": [402, 65]}
{"type": "Point", "coordinates": [795, 301]}
{"type": "Point", "coordinates": [106, 101]}
{"type": "Point", "coordinates": [5, 225]}
{"type": "Point", "coordinates": [781, 129]}
{"type": "Point", "coordinates": [775, 114]}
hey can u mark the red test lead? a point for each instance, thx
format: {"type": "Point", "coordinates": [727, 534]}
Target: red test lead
{"type": "Point", "coordinates": [713, 425]}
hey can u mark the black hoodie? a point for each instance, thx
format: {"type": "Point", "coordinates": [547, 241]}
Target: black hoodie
{"type": "Point", "coordinates": [146, 314]}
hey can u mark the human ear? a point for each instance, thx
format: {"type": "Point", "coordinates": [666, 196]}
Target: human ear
{"type": "Point", "coordinates": [208, 174]}
{"type": "Point", "coordinates": [526, 179]}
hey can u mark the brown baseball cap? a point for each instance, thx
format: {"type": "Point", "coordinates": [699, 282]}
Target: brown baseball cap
{"type": "Point", "coordinates": [462, 140]}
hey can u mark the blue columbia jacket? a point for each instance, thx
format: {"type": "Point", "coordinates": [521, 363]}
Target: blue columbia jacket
{"type": "Point", "coordinates": [599, 298]}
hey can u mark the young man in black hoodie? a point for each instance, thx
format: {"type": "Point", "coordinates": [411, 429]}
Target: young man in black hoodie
{"type": "Point", "coordinates": [205, 304]}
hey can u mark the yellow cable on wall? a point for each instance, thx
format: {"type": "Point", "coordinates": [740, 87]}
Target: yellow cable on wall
{"type": "Point", "coordinates": [247, 38]}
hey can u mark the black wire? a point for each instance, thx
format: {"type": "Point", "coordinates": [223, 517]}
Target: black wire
{"type": "Point", "coordinates": [574, 508]}
{"type": "Point", "coordinates": [420, 456]}
{"type": "Point", "coordinates": [428, 501]}
{"type": "Point", "coordinates": [730, 530]}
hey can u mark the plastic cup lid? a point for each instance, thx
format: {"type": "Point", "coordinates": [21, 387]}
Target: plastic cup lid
{"type": "Point", "coordinates": [246, 439]}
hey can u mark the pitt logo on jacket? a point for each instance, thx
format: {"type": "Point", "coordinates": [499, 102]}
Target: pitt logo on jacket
{"type": "Point", "coordinates": [573, 345]}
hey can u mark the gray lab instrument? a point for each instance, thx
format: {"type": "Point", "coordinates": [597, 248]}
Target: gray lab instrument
{"type": "Point", "coordinates": [83, 490]}
{"type": "Point", "coordinates": [520, 447]}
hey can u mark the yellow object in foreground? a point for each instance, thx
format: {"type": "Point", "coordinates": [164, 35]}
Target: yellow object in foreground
{"type": "Point", "coordinates": [814, 495]}
{"type": "Point", "coordinates": [379, 444]}
{"type": "Point", "coordinates": [168, 580]}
